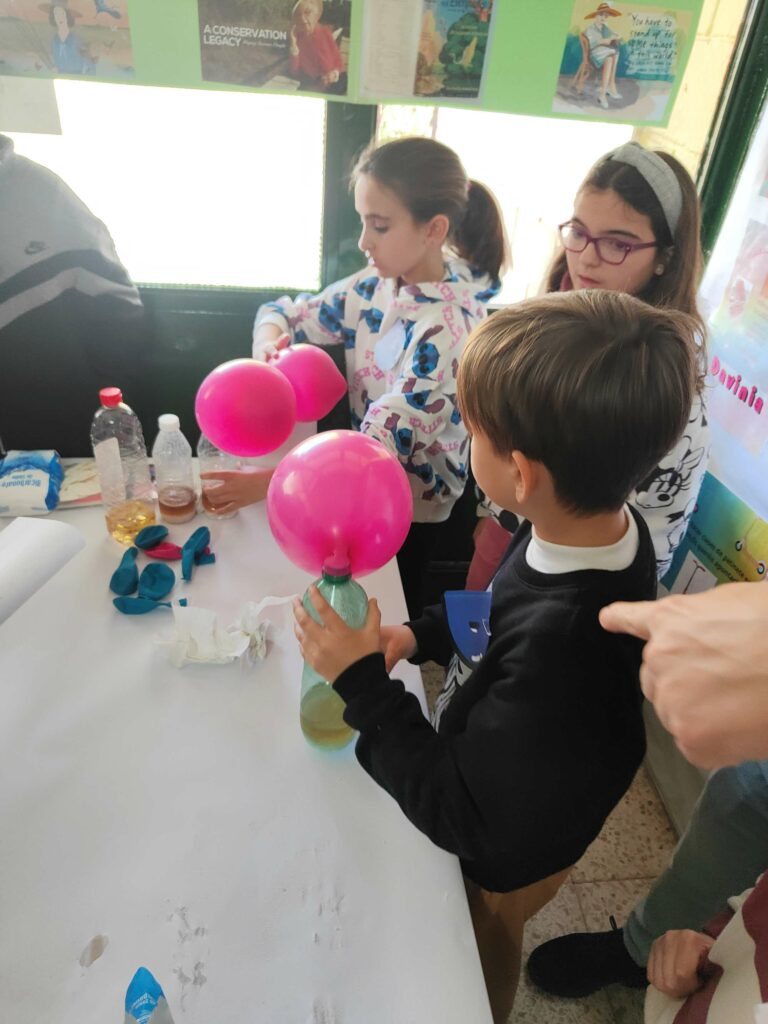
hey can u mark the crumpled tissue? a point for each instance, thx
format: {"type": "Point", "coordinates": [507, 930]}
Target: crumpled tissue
{"type": "Point", "coordinates": [30, 482]}
{"type": "Point", "coordinates": [198, 639]}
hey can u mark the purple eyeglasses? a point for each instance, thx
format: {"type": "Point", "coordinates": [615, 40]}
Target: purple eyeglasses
{"type": "Point", "coordinates": [610, 250]}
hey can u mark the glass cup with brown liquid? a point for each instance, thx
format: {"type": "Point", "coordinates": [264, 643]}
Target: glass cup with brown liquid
{"type": "Point", "coordinates": [213, 460]}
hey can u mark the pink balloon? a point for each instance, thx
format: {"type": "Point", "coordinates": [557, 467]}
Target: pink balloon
{"type": "Point", "coordinates": [246, 407]}
{"type": "Point", "coordinates": [341, 497]}
{"type": "Point", "coordinates": [316, 381]}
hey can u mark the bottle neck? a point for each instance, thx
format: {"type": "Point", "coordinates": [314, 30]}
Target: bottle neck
{"type": "Point", "coordinates": [336, 578]}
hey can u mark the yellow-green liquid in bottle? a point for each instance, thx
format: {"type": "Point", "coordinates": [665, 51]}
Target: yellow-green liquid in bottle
{"type": "Point", "coordinates": [322, 717]}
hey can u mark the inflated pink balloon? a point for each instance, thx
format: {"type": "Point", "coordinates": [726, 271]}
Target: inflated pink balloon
{"type": "Point", "coordinates": [316, 381]}
{"type": "Point", "coordinates": [340, 497]}
{"type": "Point", "coordinates": [246, 407]}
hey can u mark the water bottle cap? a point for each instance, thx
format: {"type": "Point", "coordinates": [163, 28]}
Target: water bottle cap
{"type": "Point", "coordinates": [168, 421]}
{"type": "Point", "coordinates": [110, 397]}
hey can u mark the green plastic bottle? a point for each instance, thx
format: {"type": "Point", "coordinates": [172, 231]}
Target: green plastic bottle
{"type": "Point", "coordinates": [322, 709]}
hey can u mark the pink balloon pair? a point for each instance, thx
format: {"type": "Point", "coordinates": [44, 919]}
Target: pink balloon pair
{"type": "Point", "coordinates": [248, 408]}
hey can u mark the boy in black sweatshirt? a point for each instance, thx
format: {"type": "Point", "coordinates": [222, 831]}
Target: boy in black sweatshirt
{"type": "Point", "coordinates": [570, 400]}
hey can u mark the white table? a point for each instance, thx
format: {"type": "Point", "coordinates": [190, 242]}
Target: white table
{"type": "Point", "coordinates": [181, 814]}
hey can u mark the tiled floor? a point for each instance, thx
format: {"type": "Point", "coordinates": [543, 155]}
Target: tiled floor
{"type": "Point", "coordinates": [613, 875]}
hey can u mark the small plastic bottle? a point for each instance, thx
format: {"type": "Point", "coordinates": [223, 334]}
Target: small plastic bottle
{"type": "Point", "coordinates": [127, 493]}
{"type": "Point", "coordinates": [212, 460]}
{"type": "Point", "coordinates": [174, 476]}
{"type": "Point", "coordinates": [322, 709]}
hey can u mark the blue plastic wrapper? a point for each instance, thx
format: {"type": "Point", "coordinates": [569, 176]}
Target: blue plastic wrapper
{"type": "Point", "coordinates": [145, 1002]}
{"type": "Point", "coordinates": [30, 482]}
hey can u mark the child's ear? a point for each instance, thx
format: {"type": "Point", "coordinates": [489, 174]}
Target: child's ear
{"type": "Point", "coordinates": [526, 475]}
{"type": "Point", "coordinates": [438, 228]}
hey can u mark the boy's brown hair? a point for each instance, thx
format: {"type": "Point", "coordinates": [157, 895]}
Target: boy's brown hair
{"type": "Point", "coordinates": [595, 385]}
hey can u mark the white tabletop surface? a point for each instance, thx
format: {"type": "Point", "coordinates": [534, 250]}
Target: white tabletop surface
{"type": "Point", "coordinates": [181, 814]}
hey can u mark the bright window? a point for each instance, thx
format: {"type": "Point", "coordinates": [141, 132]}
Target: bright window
{"type": "Point", "coordinates": [197, 187]}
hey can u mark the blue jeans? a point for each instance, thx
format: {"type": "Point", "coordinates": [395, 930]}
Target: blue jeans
{"type": "Point", "coordinates": [721, 853]}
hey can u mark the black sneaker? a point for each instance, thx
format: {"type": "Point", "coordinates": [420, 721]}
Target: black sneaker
{"type": "Point", "coordinates": [579, 964]}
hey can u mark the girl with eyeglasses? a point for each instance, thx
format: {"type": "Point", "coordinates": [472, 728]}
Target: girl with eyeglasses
{"type": "Point", "coordinates": [634, 229]}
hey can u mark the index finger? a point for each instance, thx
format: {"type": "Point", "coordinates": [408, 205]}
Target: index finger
{"type": "Point", "coordinates": [632, 617]}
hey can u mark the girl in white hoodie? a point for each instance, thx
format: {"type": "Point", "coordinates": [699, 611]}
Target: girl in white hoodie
{"type": "Point", "coordinates": [435, 246]}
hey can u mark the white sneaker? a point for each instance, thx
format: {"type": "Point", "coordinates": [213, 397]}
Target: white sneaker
{"type": "Point", "coordinates": [603, 102]}
{"type": "Point", "coordinates": [614, 95]}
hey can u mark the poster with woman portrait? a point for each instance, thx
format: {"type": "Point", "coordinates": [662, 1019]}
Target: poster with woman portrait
{"type": "Point", "coordinates": [276, 44]}
{"type": "Point", "coordinates": [620, 61]}
{"type": "Point", "coordinates": [66, 37]}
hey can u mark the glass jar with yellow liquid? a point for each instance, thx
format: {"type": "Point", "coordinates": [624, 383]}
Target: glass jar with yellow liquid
{"type": "Point", "coordinates": [322, 709]}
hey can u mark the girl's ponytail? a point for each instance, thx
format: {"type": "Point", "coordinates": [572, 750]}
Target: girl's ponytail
{"type": "Point", "coordinates": [480, 238]}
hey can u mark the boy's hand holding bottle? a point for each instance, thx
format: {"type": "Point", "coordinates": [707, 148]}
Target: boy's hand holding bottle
{"type": "Point", "coordinates": [332, 647]}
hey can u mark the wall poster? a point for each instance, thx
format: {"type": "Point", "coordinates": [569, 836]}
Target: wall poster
{"type": "Point", "coordinates": [566, 58]}
{"type": "Point", "coordinates": [620, 61]}
{"type": "Point", "coordinates": [81, 37]}
{"type": "Point", "coordinates": [276, 44]}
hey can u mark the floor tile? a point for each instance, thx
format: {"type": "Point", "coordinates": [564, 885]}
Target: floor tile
{"type": "Point", "coordinates": [626, 1004]}
{"type": "Point", "coordinates": [598, 900]}
{"type": "Point", "coordinates": [562, 914]}
{"type": "Point", "coordinates": [636, 841]}
{"type": "Point", "coordinates": [432, 676]}
{"type": "Point", "coordinates": [533, 1007]}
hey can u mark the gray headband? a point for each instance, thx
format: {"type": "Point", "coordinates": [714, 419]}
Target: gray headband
{"type": "Point", "coordinates": [659, 176]}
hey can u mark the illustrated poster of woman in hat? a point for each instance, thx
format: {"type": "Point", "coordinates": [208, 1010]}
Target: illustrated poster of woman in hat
{"type": "Point", "coordinates": [604, 51]}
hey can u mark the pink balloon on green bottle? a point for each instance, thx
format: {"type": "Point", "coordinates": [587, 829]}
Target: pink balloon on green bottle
{"type": "Point", "coordinates": [340, 498]}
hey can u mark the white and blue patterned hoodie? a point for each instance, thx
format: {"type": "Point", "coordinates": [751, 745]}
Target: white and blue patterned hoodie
{"type": "Point", "coordinates": [403, 347]}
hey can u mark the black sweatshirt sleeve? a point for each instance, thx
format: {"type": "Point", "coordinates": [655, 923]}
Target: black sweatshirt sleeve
{"type": "Point", "coordinates": [507, 795]}
{"type": "Point", "coordinates": [433, 638]}
{"type": "Point", "coordinates": [404, 754]}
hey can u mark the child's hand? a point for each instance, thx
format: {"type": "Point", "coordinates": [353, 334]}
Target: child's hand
{"type": "Point", "coordinates": [267, 342]}
{"type": "Point", "coordinates": [272, 348]}
{"type": "Point", "coordinates": [236, 488]}
{"type": "Point", "coordinates": [332, 647]}
{"type": "Point", "coordinates": [397, 642]}
{"type": "Point", "coordinates": [675, 960]}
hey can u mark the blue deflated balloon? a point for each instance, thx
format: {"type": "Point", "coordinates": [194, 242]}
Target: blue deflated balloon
{"type": "Point", "coordinates": [192, 549]}
{"type": "Point", "coordinates": [125, 578]}
{"type": "Point", "coordinates": [141, 605]}
{"type": "Point", "coordinates": [156, 581]}
{"type": "Point", "coordinates": [150, 536]}
{"type": "Point", "coordinates": [138, 605]}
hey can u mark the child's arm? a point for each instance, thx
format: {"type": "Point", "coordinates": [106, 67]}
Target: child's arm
{"type": "Point", "coordinates": [418, 418]}
{"type": "Point", "coordinates": [315, 318]}
{"type": "Point", "coordinates": [497, 794]}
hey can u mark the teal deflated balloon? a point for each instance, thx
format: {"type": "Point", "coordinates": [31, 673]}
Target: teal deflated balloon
{"type": "Point", "coordinates": [125, 578]}
{"type": "Point", "coordinates": [141, 605]}
{"type": "Point", "coordinates": [156, 580]}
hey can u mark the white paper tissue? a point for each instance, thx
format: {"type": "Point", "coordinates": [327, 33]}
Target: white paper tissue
{"type": "Point", "coordinates": [197, 637]}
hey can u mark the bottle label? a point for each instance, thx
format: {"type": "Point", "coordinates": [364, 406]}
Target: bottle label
{"type": "Point", "coordinates": [110, 470]}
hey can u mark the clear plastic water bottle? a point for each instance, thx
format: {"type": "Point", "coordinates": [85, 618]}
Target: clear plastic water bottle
{"type": "Point", "coordinates": [174, 476]}
{"type": "Point", "coordinates": [322, 709]}
{"type": "Point", "coordinates": [127, 493]}
{"type": "Point", "coordinates": [213, 460]}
